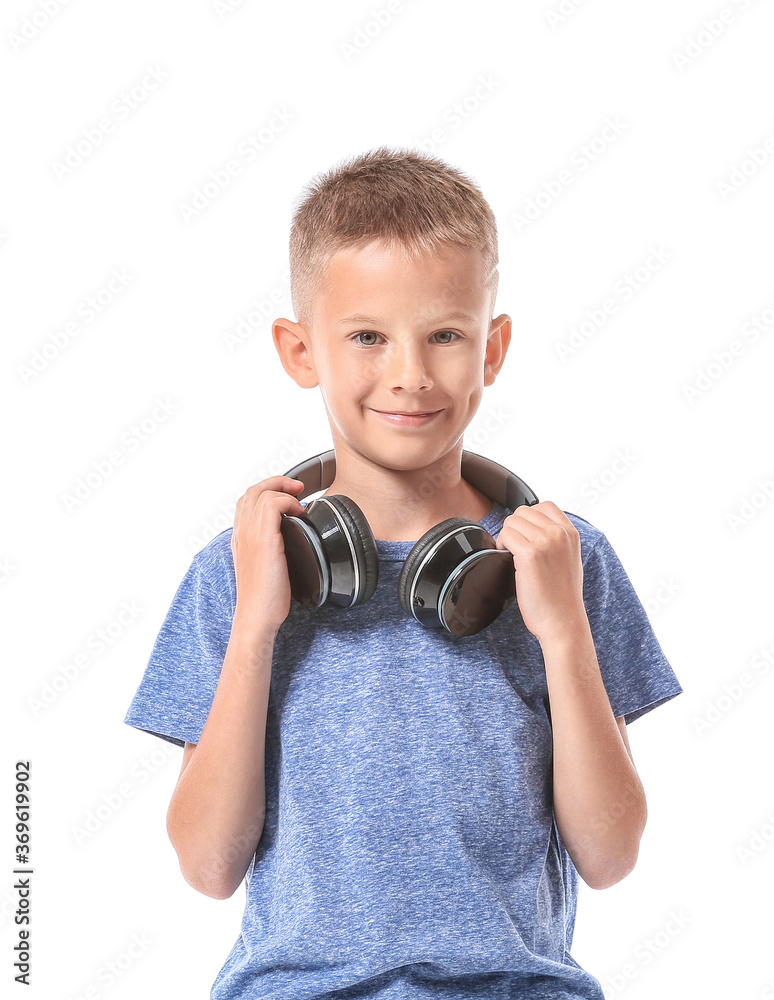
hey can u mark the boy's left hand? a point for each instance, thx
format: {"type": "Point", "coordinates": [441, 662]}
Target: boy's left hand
{"type": "Point", "coordinates": [548, 568]}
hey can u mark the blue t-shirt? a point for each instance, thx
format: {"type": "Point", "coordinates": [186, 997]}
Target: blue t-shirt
{"type": "Point", "coordinates": [409, 848]}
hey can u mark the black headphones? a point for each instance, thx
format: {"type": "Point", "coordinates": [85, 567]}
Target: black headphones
{"type": "Point", "coordinates": [453, 578]}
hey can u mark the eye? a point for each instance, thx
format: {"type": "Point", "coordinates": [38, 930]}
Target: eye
{"type": "Point", "coordinates": [453, 335]}
{"type": "Point", "coordinates": [364, 333]}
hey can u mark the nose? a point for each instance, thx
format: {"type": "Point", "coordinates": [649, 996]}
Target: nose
{"type": "Point", "coordinates": [407, 369]}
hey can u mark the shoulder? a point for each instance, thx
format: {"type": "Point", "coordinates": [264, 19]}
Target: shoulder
{"type": "Point", "coordinates": [213, 567]}
{"type": "Point", "coordinates": [591, 536]}
{"type": "Point", "coordinates": [604, 576]}
{"type": "Point", "coordinates": [216, 554]}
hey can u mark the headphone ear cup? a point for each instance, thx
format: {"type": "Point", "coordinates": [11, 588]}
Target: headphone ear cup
{"type": "Point", "coordinates": [307, 561]}
{"type": "Point", "coordinates": [456, 578]}
{"type": "Point", "coordinates": [362, 546]}
{"type": "Point", "coordinates": [416, 558]}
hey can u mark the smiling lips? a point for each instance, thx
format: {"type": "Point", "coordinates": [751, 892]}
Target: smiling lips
{"type": "Point", "coordinates": [411, 418]}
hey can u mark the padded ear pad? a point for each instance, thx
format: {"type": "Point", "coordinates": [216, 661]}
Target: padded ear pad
{"type": "Point", "coordinates": [363, 544]}
{"type": "Point", "coordinates": [416, 557]}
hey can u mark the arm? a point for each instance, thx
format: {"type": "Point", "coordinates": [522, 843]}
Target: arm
{"type": "Point", "coordinates": [599, 802]}
{"type": "Point", "coordinates": [217, 810]}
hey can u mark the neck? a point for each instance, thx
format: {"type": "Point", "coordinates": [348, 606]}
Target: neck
{"type": "Point", "coordinates": [402, 504]}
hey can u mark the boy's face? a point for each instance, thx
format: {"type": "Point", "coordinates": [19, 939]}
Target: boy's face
{"type": "Point", "coordinates": [388, 334]}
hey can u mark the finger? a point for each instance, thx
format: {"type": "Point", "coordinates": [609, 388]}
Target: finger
{"type": "Point", "coordinates": [544, 511]}
{"type": "Point", "coordinates": [518, 530]}
{"type": "Point", "coordinates": [246, 504]}
{"type": "Point", "coordinates": [547, 510]}
{"type": "Point", "coordinates": [537, 525]}
{"type": "Point", "coordinates": [272, 504]}
{"type": "Point", "coordinates": [276, 484]}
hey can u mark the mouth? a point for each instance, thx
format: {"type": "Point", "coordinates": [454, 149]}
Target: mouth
{"type": "Point", "coordinates": [410, 418]}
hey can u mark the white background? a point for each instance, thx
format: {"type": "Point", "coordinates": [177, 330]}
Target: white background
{"type": "Point", "coordinates": [689, 512]}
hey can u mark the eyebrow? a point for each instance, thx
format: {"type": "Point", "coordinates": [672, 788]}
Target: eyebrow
{"type": "Point", "coordinates": [360, 318]}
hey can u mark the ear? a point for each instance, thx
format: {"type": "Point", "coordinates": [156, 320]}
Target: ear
{"type": "Point", "coordinates": [294, 346]}
{"type": "Point", "coordinates": [498, 339]}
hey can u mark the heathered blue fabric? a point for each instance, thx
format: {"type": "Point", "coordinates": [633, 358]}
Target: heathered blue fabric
{"type": "Point", "coordinates": [409, 848]}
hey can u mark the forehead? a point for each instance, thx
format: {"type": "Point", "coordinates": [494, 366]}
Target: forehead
{"type": "Point", "coordinates": [382, 272]}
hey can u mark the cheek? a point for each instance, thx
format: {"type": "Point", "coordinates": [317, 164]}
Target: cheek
{"type": "Point", "coordinates": [467, 376]}
{"type": "Point", "coordinates": [475, 397]}
{"type": "Point", "coordinates": [359, 374]}
{"type": "Point", "coordinates": [344, 380]}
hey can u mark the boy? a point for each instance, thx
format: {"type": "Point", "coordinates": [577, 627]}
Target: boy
{"type": "Point", "coordinates": [410, 810]}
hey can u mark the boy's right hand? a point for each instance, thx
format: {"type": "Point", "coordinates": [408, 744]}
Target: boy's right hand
{"type": "Point", "coordinates": [260, 566]}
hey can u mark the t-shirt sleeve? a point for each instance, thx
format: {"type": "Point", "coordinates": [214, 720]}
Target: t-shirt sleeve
{"type": "Point", "coordinates": [177, 688]}
{"type": "Point", "coordinates": [635, 671]}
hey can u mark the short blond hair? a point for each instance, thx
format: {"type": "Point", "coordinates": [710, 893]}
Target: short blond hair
{"type": "Point", "coordinates": [406, 197]}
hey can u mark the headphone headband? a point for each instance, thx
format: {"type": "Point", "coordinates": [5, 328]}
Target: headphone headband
{"type": "Point", "coordinates": [498, 483]}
